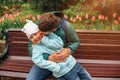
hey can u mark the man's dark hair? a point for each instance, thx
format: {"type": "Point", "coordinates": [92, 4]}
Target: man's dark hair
{"type": "Point", "coordinates": [48, 22]}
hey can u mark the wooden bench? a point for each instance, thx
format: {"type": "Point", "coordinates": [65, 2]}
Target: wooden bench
{"type": "Point", "coordinates": [99, 53]}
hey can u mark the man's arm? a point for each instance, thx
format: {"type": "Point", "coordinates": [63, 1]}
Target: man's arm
{"type": "Point", "coordinates": [75, 41]}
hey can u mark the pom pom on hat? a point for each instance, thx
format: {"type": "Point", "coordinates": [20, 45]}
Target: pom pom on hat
{"type": "Point", "coordinates": [30, 28]}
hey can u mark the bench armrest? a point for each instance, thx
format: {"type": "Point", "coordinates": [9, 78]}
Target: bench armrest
{"type": "Point", "coordinates": [4, 54]}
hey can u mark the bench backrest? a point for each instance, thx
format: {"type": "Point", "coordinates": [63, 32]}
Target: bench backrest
{"type": "Point", "coordinates": [103, 45]}
{"type": "Point", "coordinates": [99, 52]}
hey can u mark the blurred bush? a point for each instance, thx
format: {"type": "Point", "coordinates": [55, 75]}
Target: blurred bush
{"type": "Point", "coordinates": [16, 20]}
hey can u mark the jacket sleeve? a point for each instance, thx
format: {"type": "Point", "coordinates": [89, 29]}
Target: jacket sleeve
{"type": "Point", "coordinates": [42, 63]}
{"type": "Point", "coordinates": [30, 48]}
{"type": "Point", "coordinates": [75, 41]}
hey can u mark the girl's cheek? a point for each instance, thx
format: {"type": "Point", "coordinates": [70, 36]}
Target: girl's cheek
{"type": "Point", "coordinates": [38, 41]}
{"type": "Point", "coordinates": [33, 41]}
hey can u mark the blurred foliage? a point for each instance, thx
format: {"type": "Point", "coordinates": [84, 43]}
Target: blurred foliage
{"type": "Point", "coordinates": [10, 6]}
{"type": "Point", "coordinates": [52, 5]}
{"type": "Point", "coordinates": [16, 20]}
{"type": "Point", "coordinates": [107, 7]}
{"type": "Point", "coordinates": [80, 9]}
{"type": "Point", "coordinates": [84, 14]}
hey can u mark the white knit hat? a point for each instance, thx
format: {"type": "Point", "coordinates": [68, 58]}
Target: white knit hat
{"type": "Point", "coordinates": [30, 28]}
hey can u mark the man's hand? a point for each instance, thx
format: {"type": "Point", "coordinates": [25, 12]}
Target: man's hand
{"type": "Point", "coordinates": [60, 56]}
{"type": "Point", "coordinates": [65, 52]}
{"type": "Point", "coordinates": [55, 57]}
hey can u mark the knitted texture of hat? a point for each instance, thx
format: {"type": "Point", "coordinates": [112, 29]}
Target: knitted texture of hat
{"type": "Point", "coordinates": [30, 28]}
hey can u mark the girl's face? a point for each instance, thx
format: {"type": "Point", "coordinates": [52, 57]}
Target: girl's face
{"type": "Point", "coordinates": [36, 37]}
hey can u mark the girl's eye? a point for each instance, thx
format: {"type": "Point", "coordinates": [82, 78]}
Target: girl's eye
{"type": "Point", "coordinates": [35, 33]}
{"type": "Point", "coordinates": [31, 37]}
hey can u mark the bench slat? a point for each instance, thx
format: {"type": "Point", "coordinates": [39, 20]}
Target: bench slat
{"type": "Point", "coordinates": [18, 39]}
{"type": "Point", "coordinates": [18, 44]}
{"type": "Point", "coordinates": [97, 57]}
{"type": "Point", "coordinates": [95, 52]}
{"type": "Point", "coordinates": [100, 41]}
{"type": "Point", "coordinates": [16, 53]}
{"type": "Point", "coordinates": [14, 34]}
{"type": "Point", "coordinates": [100, 36]}
{"type": "Point", "coordinates": [103, 47]}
